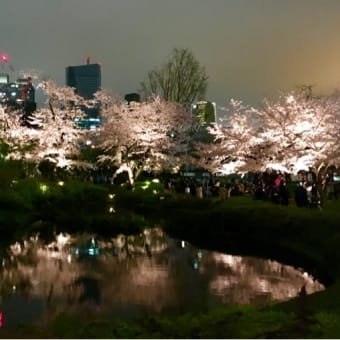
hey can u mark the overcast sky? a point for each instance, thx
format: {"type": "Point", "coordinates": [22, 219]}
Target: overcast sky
{"type": "Point", "coordinates": [251, 48]}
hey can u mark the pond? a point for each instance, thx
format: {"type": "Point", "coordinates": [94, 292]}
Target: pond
{"type": "Point", "coordinates": [129, 276]}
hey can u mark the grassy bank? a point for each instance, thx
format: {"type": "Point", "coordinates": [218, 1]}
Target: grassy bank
{"type": "Point", "coordinates": [29, 206]}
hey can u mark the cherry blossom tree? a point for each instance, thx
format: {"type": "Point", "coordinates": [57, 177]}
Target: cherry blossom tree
{"type": "Point", "coordinates": [50, 133]}
{"type": "Point", "coordinates": [150, 136]}
{"type": "Point", "coordinates": [303, 133]}
{"type": "Point", "coordinates": [233, 148]}
{"type": "Point", "coordinates": [292, 134]}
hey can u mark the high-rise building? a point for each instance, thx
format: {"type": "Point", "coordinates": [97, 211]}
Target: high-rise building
{"type": "Point", "coordinates": [86, 79]}
{"type": "Point", "coordinates": [132, 97]}
{"type": "Point", "coordinates": [205, 111]}
{"type": "Point", "coordinates": [18, 94]}
{"type": "Point", "coordinates": [4, 79]}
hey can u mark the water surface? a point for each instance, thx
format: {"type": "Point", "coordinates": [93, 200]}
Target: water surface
{"type": "Point", "coordinates": [129, 276]}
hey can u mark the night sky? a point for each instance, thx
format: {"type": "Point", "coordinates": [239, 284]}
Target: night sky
{"type": "Point", "coordinates": [251, 48]}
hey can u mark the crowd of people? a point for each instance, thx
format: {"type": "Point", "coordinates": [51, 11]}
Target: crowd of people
{"type": "Point", "coordinates": [306, 192]}
{"type": "Point", "coordinates": [274, 186]}
{"type": "Point", "coordinates": [206, 187]}
{"type": "Point", "coordinates": [277, 187]}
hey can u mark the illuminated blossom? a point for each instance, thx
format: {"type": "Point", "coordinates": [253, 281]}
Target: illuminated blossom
{"type": "Point", "coordinates": [147, 136]}
{"type": "Point", "coordinates": [292, 134]}
{"type": "Point", "coordinates": [234, 142]}
{"type": "Point", "coordinates": [49, 133]}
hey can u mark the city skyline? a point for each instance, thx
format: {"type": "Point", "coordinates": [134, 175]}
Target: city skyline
{"type": "Point", "coordinates": [251, 49]}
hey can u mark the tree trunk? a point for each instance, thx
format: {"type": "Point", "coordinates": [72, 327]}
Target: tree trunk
{"type": "Point", "coordinates": [138, 172]}
{"type": "Point", "coordinates": [50, 104]}
{"type": "Point", "coordinates": [321, 183]}
{"type": "Point", "coordinates": [128, 169]}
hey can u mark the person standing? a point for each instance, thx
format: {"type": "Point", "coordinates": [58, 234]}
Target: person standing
{"type": "Point", "coordinates": [199, 190]}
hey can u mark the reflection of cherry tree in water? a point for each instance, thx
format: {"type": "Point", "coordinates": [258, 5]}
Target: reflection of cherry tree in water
{"type": "Point", "coordinates": [151, 240]}
{"type": "Point", "coordinates": [33, 270]}
{"type": "Point", "coordinates": [12, 279]}
{"type": "Point", "coordinates": [53, 273]}
{"type": "Point", "coordinates": [268, 280]}
{"type": "Point", "coordinates": [84, 290]}
{"type": "Point", "coordinates": [90, 291]}
{"type": "Point", "coordinates": [135, 274]}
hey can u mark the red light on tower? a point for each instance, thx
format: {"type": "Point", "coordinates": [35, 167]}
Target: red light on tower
{"type": "Point", "coordinates": [4, 58]}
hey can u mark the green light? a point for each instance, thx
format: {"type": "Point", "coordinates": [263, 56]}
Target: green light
{"type": "Point", "coordinates": [43, 187]}
{"type": "Point", "coordinates": [146, 185]}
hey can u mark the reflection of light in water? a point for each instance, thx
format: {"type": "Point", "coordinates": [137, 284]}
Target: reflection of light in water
{"type": "Point", "coordinates": [263, 285]}
{"type": "Point", "coordinates": [62, 239]}
{"type": "Point", "coordinates": [148, 270]}
{"type": "Point", "coordinates": [285, 284]}
{"type": "Point", "coordinates": [145, 275]}
{"type": "Point", "coordinates": [149, 285]}
{"type": "Point", "coordinates": [16, 248]}
{"type": "Point", "coordinates": [230, 260]}
{"type": "Point", "coordinates": [52, 263]}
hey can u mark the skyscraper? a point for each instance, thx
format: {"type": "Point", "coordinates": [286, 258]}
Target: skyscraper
{"type": "Point", "coordinates": [4, 78]}
{"type": "Point", "coordinates": [205, 111]}
{"type": "Point", "coordinates": [86, 79]}
{"type": "Point", "coordinates": [19, 94]}
{"type": "Point", "coordinates": [132, 97]}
